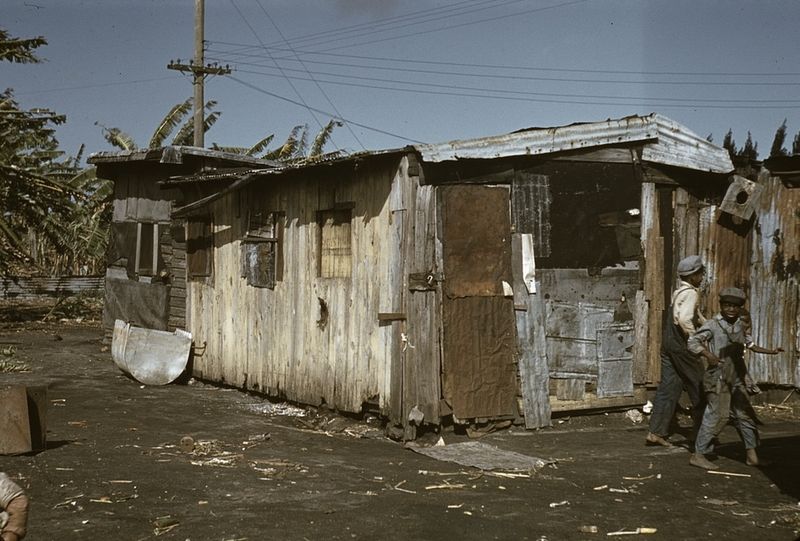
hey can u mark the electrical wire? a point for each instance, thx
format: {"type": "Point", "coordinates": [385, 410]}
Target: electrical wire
{"type": "Point", "coordinates": [521, 92]}
{"type": "Point", "coordinates": [289, 100]}
{"type": "Point", "coordinates": [338, 114]}
{"type": "Point", "coordinates": [508, 66]}
{"type": "Point", "coordinates": [536, 78]}
{"type": "Point", "coordinates": [541, 100]}
{"type": "Point", "coordinates": [288, 80]}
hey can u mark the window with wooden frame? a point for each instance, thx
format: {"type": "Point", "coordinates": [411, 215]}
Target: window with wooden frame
{"type": "Point", "coordinates": [262, 249]}
{"type": "Point", "coordinates": [147, 257]}
{"type": "Point", "coordinates": [199, 246]}
{"type": "Point", "coordinates": [335, 242]}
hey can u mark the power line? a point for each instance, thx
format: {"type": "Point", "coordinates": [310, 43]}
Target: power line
{"type": "Point", "coordinates": [407, 22]}
{"type": "Point", "coordinates": [338, 114]}
{"type": "Point", "coordinates": [288, 80]}
{"type": "Point", "coordinates": [521, 92]}
{"type": "Point", "coordinates": [507, 66]}
{"type": "Point", "coordinates": [366, 127]}
{"type": "Point", "coordinates": [574, 102]}
{"type": "Point", "coordinates": [450, 27]}
{"type": "Point", "coordinates": [536, 78]}
{"type": "Point", "coordinates": [96, 85]}
{"type": "Point", "coordinates": [412, 16]}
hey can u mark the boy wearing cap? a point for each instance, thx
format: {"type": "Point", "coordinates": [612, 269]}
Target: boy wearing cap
{"type": "Point", "coordinates": [680, 369]}
{"type": "Point", "coordinates": [721, 341]}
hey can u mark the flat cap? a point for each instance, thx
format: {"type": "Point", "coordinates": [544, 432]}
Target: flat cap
{"type": "Point", "coordinates": [689, 265]}
{"type": "Point", "coordinates": [733, 295]}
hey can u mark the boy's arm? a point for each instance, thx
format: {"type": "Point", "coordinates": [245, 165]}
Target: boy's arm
{"type": "Point", "coordinates": [697, 345]}
{"type": "Point", "coordinates": [758, 349]}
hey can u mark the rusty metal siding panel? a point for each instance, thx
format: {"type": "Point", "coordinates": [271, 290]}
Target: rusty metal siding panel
{"type": "Point", "coordinates": [479, 372]}
{"type": "Point", "coordinates": [477, 240]}
{"type": "Point", "coordinates": [726, 253]}
{"type": "Point", "coordinates": [775, 278]}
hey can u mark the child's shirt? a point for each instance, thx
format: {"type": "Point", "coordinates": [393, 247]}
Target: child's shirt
{"type": "Point", "coordinates": [725, 340]}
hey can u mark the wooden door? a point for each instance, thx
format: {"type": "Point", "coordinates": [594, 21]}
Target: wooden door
{"type": "Point", "coordinates": [479, 371]}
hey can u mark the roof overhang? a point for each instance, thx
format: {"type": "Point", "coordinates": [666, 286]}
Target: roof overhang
{"type": "Point", "coordinates": [663, 141]}
{"type": "Point", "coordinates": [787, 168]}
{"type": "Point", "coordinates": [178, 155]}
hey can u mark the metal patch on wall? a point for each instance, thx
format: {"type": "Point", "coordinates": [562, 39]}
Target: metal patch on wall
{"type": "Point", "coordinates": [615, 360]}
{"type": "Point", "coordinates": [476, 240]}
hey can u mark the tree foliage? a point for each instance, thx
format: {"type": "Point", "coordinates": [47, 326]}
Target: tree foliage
{"type": "Point", "coordinates": [749, 150]}
{"type": "Point", "coordinates": [20, 51]}
{"type": "Point", "coordinates": [50, 208]}
{"type": "Point", "coordinates": [777, 143]}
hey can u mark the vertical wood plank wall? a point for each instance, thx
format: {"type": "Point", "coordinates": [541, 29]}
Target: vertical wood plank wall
{"type": "Point", "coordinates": [273, 340]}
{"type": "Point", "coordinates": [653, 250]}
{"type": "Point", "coordinates": [421, 370]}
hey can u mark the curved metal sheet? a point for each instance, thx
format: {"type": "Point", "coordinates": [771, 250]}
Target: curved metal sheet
{"type": "Point", "coordinates": [149, 356]}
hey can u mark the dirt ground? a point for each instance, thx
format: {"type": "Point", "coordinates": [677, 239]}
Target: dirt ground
{"type": "Point", "coordinates": [114, 467]}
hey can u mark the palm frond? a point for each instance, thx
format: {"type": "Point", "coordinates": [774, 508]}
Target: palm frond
{"type": "Point", "coordinates": [185, 135]}
{"type": "Point", "coordinates": [261, 145]}
{"type": "Point", "coordinates": [290, 147]}
{"type": "Point", "coordinates": [117, 138]}
{"type": "Point", "coordinates": [168, 124]}
{"type": "Point", "coordinates": [323, 137]}
{"type": "Point", "coordinates": [231, 150]}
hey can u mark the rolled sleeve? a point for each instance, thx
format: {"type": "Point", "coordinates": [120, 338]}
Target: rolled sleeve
{"type": "Point", "coordinates": [684, 310]}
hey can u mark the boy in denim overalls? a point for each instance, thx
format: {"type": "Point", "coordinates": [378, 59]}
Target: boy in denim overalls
{"type": "Point", "coordinates": [721, 341]}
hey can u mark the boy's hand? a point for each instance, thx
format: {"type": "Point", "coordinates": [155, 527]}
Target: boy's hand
{"type": "Point", "coordinates": [776, 351]}
{"type": "Point", "coordinates": [712, 359]}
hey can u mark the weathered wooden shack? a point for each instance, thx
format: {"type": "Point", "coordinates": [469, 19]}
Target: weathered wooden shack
{"type": "Point", "coordinates": [500, 278]}
{"type": "Point", "coordinates": [145, 282]}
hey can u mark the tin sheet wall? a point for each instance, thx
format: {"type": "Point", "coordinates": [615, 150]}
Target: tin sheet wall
{"type": "Point", "coordinates": [775, 283]}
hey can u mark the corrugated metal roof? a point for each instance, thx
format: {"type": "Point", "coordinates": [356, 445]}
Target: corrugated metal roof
{"type": "Point", "coordinates": [665, 141]}
{"type": "Point", "coordinates": [279, 168]}
{"type": "Point", "coordinates": [174, 155]}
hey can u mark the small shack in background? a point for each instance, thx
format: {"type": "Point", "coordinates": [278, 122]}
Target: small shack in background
{"type": "Point", "coordinates": [145, 282]}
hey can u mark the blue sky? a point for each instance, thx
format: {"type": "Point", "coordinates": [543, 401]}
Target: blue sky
{"type": "Point", "coordinates": [416, 70]}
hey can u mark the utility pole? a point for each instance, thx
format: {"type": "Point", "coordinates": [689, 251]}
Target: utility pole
{"type": "Point", "coordinates": [199, 71]}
